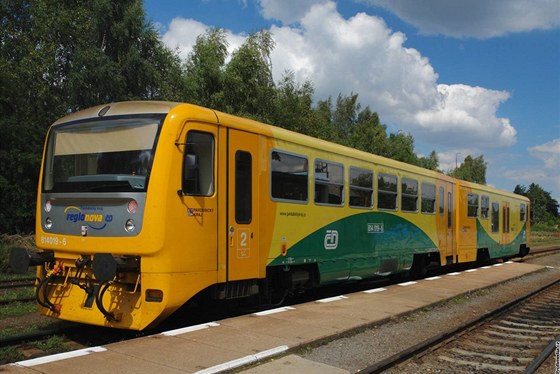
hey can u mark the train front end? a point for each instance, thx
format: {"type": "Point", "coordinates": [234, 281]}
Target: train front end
{"type": "Point", "coordinates": [90, 230]}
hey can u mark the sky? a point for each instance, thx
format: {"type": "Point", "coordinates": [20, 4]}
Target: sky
{"type": "Point", "coordinates": [463, 77]}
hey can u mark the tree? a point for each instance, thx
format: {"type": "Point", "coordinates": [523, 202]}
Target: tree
{"type": "Point", "coordinates": [205, 66]}
{"type": "Point", "coordinates": [431, 162]}
{"type": "Point", "coordinates": [543, 206]}
{"type": "Point", "coordinates": [248, 85]}
{"type": "Point", "coordinates": [401, 148]}
{"type": "Point", "coordinates": [57, 57]}
{"type": "Point", "coordinates": [471, 170]}
{"type": "Point", "coordinates": [369, 134]}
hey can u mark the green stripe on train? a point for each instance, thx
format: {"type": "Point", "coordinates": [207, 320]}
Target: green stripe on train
{"type": "Point", "coordinates": [360, 246]}
{"type": "Point", "coordinates": [495, 249]}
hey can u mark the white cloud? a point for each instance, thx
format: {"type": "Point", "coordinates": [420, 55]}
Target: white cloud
{"type": "Point", "coordinates": [475, 18]}
{"type": "Point", "coordinates": [287, 11]}
{"type": "Point", "coordinates": [362, 55]}
{"type": "Point", "coordinates": [468, 113]}
{"type": "Point", "coordinates": [549, 153]}
{"type": "Point", "coordinates": [182, 34]}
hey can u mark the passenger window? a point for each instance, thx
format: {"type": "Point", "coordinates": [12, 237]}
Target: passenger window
{"type": "Point", "coordinates": [409, 195]}
{"type": "Point", "coordinates": [329, 183]}
{"type": "Point", "coordinates": [198, 164]}
{"type": "Point", "coordinates": [361, 188]}
{"type": "Point", "coordinates": [289, 177]}
{"type": "Point", "coordinates": [495, 217]}
{"type": "Point", "coordinates": [484, 206]}
{"type": "Point", "coordinates": [387, 191]}
{"type": "Point", "coordinates": [472, 205]}
{"type": "Point", "coordinates": [243, 187]}
{"type": "Point", "coordinates": [428, 198]}
{"type": "Point", "coordinates": [522, 212]}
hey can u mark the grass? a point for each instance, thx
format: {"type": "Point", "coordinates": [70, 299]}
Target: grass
{"type": "Point", "coordinates": [17, 309]}
{"type": "Point", "coordinates": [545, 234]}
{"type": "Point", "coordinates": [10, 354]}
{"type": "Point", "coordinates": [54, 344]}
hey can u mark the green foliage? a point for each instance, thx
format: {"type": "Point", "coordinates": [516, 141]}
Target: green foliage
{"type": "Point", "coordinates": [204, 81]}
{"type": "Point", "coordinates": [57, 57]}
{"type": "Point", "coordinates": [9, 355]}
{"type": "Point", "coordinates": [471, 170]}
{"type": "Point", "coordinates": [54, 344]}
{"type": "Point", "coordinates": [544, 209]}
{"type": "Point", "coordinates": [248, 84]}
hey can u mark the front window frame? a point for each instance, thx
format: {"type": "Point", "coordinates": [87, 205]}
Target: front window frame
{"type": "Point", "coordinates": [48, 182]}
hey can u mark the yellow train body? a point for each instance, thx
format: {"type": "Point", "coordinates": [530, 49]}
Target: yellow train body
{"type": "Point", "coordinates": [236, 208]}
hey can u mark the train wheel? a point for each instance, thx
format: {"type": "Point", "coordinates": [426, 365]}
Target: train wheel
{"type": "Point", "coordinates": [419, 266]}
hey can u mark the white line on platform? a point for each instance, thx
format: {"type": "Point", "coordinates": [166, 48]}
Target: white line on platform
{"type": "Point", "coordinates": [334, 298]}
{"type": "Point", "coordinates": [243, 360]}
{"type": "Point", "coordinates": [60, 356]}
{"type": "Point", "coordinates": [273, 311]}
{"type": "Point", "coordinates": [486, 267]}
{"type": "Point", "coordinates": [497, 265]}
{"type": "Point", "coordinates": [190, 329]}
{"type": "Point", "coordinates": [470, 271]}
{"type": "Point", "coordinates": [453, 274]}
{"type": "Point", "coordinates": [509, 262]}
{"type": "Point", "coordinates": [432, 278]}
{"type": "Point", "coordinates": [374, 290]}
{"type": "Point", "coordinates": [407, 283]}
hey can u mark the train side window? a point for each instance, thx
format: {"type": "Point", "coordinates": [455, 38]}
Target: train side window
{"type": "Point", "coordinates": [428, 198]}
{"type": "Point", "coordinates": [361, 188]}
{"type": "Point", "coordinates": [243, 187]}
{"type": "Point", "coordinates": [495, 217]}
{"type": "Point", "coordinates": [522, 212]}
{"type": "Point", "coordinates": [329, 183]}
{"type": "Point", "coordinates": [441, 201]}
{"type": "Point", "coordinates": [484, 206]}
{"type": "Point", "coordinates": [472, 205]}
{"type": "Point", "coordinates": [387, 191]}
{"type": "Point", "coordinates": [409, 195]}
{"type": "Point", "coordinates": [198, 164]}
{"type": "Point", "coordinates": [288, 177]}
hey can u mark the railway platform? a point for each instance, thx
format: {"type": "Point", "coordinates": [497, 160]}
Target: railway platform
{"type": "Point", "coordinates": [226, 344]}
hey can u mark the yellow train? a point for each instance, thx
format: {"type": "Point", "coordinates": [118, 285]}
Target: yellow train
{"type": "Point", "coordinates": [144, 205]}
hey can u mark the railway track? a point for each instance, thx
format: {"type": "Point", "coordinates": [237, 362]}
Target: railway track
{"type": "Point", "coordinates": [517, 337]}
{"type": "Point", "coordinates": [9, 291]}
{"type": "Point", "coordinates": [16, 283]}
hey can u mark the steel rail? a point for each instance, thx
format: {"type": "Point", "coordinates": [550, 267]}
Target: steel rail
{"type": "Point", "coordinates": [450, 333]}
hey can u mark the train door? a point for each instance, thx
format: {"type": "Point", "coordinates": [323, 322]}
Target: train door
{"type": "Point", "coordinates": [446, 221]}
{"type": "Point", "coordinates": [505, 223]}
{"type": "Point", "coordinates": [199, 197]}
{"type": "Point", "coordinates": [242, 206]}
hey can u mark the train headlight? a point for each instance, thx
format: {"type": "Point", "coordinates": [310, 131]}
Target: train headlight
{"type": "Point", "coordinates": [130, 226]}
{"type": "Point", "coordinates": [48, 206]}
{"type": "Point", "coordinates": [48, 223]}
{"type": "Point", "coordinates": [132, 206]}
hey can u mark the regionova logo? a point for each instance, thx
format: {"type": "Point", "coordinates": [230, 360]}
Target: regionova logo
{"type": "Point", "coordinates": [88, 215]}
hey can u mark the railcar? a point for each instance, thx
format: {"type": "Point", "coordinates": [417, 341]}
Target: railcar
{"type": "Point", "coordinates": [143, 206]}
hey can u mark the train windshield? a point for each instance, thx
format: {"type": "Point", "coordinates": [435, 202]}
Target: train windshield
{"type": "Point", "coordinates": [109, 155]}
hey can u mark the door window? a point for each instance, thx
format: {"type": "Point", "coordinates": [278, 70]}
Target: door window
{"type": "Point", "coordinates": [243, 187]}
{"type": "Point", "coordinates": [198, 164]}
